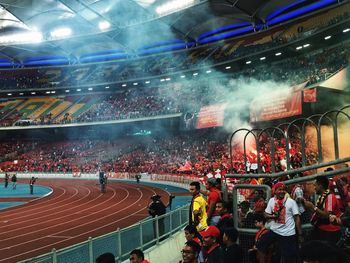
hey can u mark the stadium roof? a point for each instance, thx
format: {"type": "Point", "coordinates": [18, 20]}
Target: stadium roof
{"type": "Point", "coordinates": [127, 25]}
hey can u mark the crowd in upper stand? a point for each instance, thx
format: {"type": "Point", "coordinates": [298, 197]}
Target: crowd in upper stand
{"type": "Point", "coordinates": [129, 105]}
{"type": "Point", "coordinates": [137, 102]}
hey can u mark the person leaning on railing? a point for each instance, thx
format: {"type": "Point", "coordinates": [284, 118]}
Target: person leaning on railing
{"type": "Point", "coordinates": [157, 208]}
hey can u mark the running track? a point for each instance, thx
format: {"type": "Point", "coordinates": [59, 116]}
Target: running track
{"type": "Point", "coordinates": [74, 211]}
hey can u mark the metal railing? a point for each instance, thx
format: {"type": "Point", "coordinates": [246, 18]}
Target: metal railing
{"type": "Point", "coordinates": [143, 235]}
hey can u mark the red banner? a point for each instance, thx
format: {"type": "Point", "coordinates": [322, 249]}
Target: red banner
{"type": "Point", "coordinates": [278, 105]}
{"type": "Point", "coordinates": [211, 116]}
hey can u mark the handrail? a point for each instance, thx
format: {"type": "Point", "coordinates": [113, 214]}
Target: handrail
{"type": "Point", "coordinates": [139, 233]}
{"type": "Point", "coordinates": [293, 171]}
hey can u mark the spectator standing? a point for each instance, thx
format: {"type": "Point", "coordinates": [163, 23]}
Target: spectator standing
{"type": "Point", "coordinates": [156, 209]}
{"type": "Point", "coordinates": [191, 234]}
{"type": "Point", "coordinates": [31, 184]}
{"type": "Point", "coordinates": [190, 252]}
{"type": "Point", "coordinates": [259, 222]}
{"type": "Point", "coordinates": [298, 195]}
{"type": "Point", "coordinates": [284, 213]}
{"type": "Point", "coordinates": [14, 181]}
{"type": "Point", "coordinates": [326, 205]}
{"type": "Point", "coordinates": [137, 256]}
{"type": "Point", "coordinates": [223, 209]}
{"type": "Point", "coordinates": [138, 177]}
{"type": "Point", "coordinates": [232, 252]}
{"type": "Point", "coordinates": [6, 180]}
{"type": "Point", "coordinates": [245, 214]}
{"type": "Point", "coordinates": [103, 181]}
{"type": "Point", "coordinates": [211, 244]}
{"type": "Point", "coordinates": [214, 196]}
{"type": "Point", "coordinates": [198, 214]}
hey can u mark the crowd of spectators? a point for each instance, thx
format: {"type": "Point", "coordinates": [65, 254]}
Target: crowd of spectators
{"type": "Point", "coordinates": [128, 105]}
{"type": "Point", "coordinates": [198, 153]}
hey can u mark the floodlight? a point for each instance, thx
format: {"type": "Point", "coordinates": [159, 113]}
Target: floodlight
{"type": "Point", "coordinates": [173, 6]}
{"type": "Point", "coordinates": [61, 32]}
{"type": "Point", "coordinates": [278, 54]}
{"type": "Point", "coordinates": [327, 37]}
{"type": "Point", "coordinates": [28, 37]}
{"type": "Point", "coordinates": [103, 25]}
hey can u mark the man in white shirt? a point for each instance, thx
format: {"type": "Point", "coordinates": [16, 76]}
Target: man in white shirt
{"type": "Point", "coordinates": [285, 227]}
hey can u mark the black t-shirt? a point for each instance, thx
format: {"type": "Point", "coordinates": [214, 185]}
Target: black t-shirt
{"type": "Point", "coordinates": [233, 253]}
{"type": "Point", "coordinates": [157, 208]}
{"type": "Point", "coordinates": [215, 256]}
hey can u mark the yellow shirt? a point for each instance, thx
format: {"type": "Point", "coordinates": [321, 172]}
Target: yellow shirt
{"type": "Point", "coordinates": [199, 204]}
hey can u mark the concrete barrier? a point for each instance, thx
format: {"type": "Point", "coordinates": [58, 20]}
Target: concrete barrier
{"type": "Point", "coordinates": [167, 251]}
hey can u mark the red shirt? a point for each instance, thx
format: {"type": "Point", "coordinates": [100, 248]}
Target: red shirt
{"type": "Point", "coordinates": [213, 197]}
{"type": "Point", "coordinates": [331, 205]}
{"type": "Point", "coordinates": [260, 233]}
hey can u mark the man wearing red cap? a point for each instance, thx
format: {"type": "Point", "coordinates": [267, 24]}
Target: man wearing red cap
{"type": "Point", "coordinates": [211, 238]}
{"type": "Point", "coordinates": [285, 225]}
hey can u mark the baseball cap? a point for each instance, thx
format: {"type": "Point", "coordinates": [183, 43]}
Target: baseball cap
{"type": "Point", "coordinates": [212, 181]}
{"type": "Point", "coordinates": [211, 231]}
{"type": "Point", "coordinates": [279, 185]}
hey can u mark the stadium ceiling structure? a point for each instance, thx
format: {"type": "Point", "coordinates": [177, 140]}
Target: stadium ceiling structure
{"type": "Point", "coordinates": [72, 28]}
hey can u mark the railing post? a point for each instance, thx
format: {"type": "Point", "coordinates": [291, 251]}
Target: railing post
{"type": "Point", "coordinates": [180, 216]}
{"type": "Point", "coordinates": [141, 235]}
{"type": "Point", "coordinates": [157, 228]}
{"type": "Point", "coordinates": [54, 256]}
{"type": "Point", "coordinates": [91, 251]}
{"type": "Point", "coordinates": [171, 223]}
{"type": "Point", "coordinates": [119, 238]}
